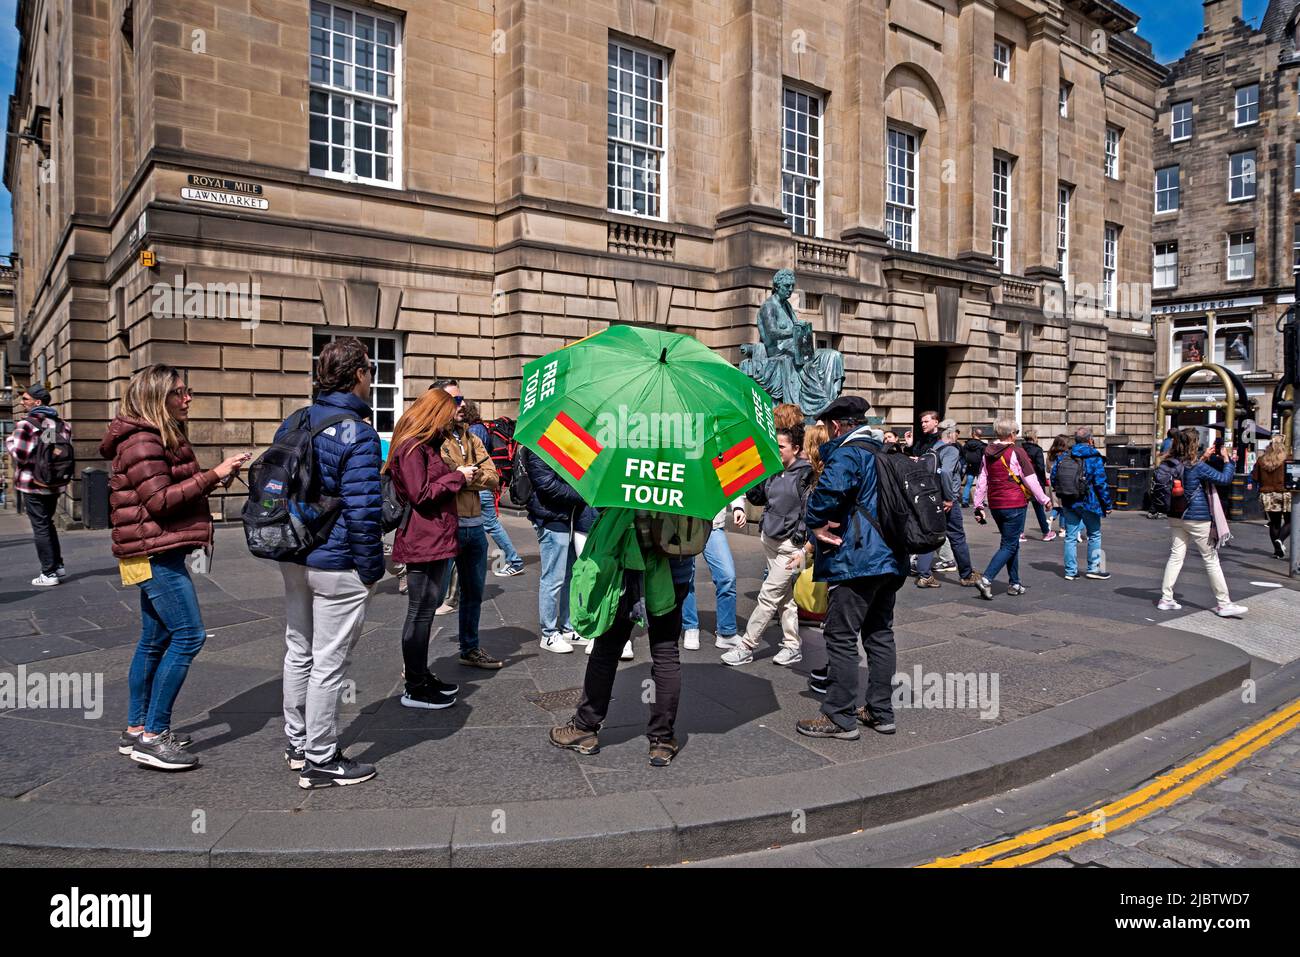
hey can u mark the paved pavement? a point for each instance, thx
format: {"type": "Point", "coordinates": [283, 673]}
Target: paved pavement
{"type": "Point", "coordinates": [1049, 651]}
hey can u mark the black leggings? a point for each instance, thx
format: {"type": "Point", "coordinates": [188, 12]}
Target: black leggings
{"type": "Point", "coordinates": [424, 595]}
{"type": "Point", "coordinates": [1279, 526]}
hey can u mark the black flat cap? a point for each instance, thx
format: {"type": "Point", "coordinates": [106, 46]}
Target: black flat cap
{"type": "Point", "coordinates": [845, 407]}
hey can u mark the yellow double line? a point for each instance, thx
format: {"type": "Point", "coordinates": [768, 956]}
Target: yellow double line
{"type": "Point", "coordinates": [1165, 790]}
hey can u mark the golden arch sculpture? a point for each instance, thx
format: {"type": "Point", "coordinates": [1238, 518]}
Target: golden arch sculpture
{"type": "Point", "coordinates": [1165, 405]}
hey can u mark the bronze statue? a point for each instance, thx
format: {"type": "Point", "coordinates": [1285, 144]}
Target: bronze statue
{"type": "Point", "coordinates": [785, 361]}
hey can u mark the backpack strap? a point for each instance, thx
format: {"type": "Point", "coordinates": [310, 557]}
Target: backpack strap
{"type": "Point", "coordinates": [1014, 477]}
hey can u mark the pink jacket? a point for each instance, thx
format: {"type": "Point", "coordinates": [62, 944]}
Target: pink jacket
{"type": "Point", "coordinates": [1004, 491]}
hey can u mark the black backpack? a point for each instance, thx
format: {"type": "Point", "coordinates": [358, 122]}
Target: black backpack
{"type": "Point", "coordinates": [501, 446]}
{"type": "Point", "coordinates": [521, 486]}
{"type": "Point", "coordinates": [285, 516]}
{"type": "Point", "coordinates": [395, 514]}
{"type": "Point", "coordinates": [53, 461]}
{"type": "Point", "coordinates": [1167, 496]}
{"type": "Point", "coordinates": [1071, 478]}
{"type": "Point", "coordinates": [909, 502]}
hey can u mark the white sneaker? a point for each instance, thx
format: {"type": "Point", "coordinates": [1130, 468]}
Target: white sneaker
{"type": "Point", "coordinates": [60, 573]}
{"type": "Point", "coordinates": [44, 581]}
{"type": "Point", "coordinates": [444, 609]}
{"type": "Point", "coordinates": [739, 655]}
{"type": "Point", "coordinates": [627, 652]}
{"type": "Point", "coordinates": [1231, 610]}
{"type": "Point", "coordinates": [726, 641]}
{"type": "Point", "coordinates": [573, 638]}
{"type": "Point", "coordinates": [590, 645]}
{"type": "Point", "coordinates": [787, 656]}
{"type": "Point", "coordinates": [556, 644]}
{"type": "Point", "coordinates": [691, 639]}
{"type": "Point", "coordinates": [1168, 604]}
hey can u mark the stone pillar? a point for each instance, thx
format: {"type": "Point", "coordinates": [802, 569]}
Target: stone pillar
{"type": "Point", "coordinates": [864, 195]}
{"type": "Point", "coordinates": [751, 111]}
{"type": "Point", "coordinates": [975, 155]}
{"type": "Point", "coordinates": [1041, 170]}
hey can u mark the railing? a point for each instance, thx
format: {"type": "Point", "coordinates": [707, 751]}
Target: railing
{"type": "Point", "coordinates": [634, 240]}
{"type": "Point", "coordinates": [821, 257]}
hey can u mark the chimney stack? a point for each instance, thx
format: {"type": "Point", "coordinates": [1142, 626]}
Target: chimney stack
{"type": "Point", "coordinates": [1219, 15]}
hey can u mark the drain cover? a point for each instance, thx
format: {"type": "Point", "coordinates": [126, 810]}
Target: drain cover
{"type": "Point", "coordinates": [555, 700]}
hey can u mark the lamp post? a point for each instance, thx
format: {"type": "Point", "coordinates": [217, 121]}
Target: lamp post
{"type": "Point", "coordinates": [1291, 375]}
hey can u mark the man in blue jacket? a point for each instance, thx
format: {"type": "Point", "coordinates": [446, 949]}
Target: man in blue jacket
{"type": "Point", "coordinates": [325, 595]}
{"type": "Point", "coordinates": [1087, 510]}
{"type": "Point", "coordinates": [864, 574]}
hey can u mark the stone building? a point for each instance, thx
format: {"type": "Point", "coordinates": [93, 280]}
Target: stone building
{"type": "Point", "coordinates": [471, 184]}
{"type": "Point", "coordinates": [1226, 233]}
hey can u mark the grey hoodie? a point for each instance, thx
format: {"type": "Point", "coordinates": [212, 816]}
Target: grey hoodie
{"type": "Point", "coordinates": [782, 496]}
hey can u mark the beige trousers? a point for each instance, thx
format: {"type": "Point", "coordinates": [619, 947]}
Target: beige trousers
{"type": "Point", "coordinates": [776, 597]}
{"type": "Point", "coordinates": [1199, 534]}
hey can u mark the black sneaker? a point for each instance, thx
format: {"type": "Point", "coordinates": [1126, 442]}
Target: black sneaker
{"type": "Point", "coordinates": [164, 753]}
{"type": "Point", "coordinates": [1097, 576]}
{"type": "Point", "coordinates": [819, 680]}
{"type": "Point", "coordinates": [126, 743]}
{"type": "Point", "coordinates": [336, 771]}
{"type": "Point", "coordinates": [478, 658]}
{"type": "Point", "coordinates": [295, 758]}
{"type": "Point", "coordinates": [427, 696]}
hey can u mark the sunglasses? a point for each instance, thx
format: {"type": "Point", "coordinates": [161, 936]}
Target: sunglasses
{"type": "Point", "coordinates": [184, 392]}
{"type": "Point", "coordinates": [458, 399]}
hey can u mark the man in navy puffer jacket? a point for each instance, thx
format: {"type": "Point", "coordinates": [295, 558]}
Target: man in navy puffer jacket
{"type": "Point", "coordinates": [326, 593]}
{"type": "Point", "coordinates": [864, 573]}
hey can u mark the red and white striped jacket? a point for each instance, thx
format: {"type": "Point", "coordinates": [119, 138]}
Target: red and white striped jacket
{"type": "Point", "coordinates": [22, 443]}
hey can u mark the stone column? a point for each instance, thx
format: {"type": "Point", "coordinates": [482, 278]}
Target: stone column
{"type": "Point", "coordinates": [1041, 171]}
{"type": "Point", "coordinates": [864, 194]}
{"type": "Point", "coordinates": [970, 116]}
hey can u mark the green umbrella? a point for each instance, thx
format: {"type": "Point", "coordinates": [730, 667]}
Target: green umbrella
{"type": "Point", "coordinates": [638, 418]}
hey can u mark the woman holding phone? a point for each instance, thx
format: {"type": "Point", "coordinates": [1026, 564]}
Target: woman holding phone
{"type": "Point", "coordinates": [159, 504]}
{"type": "Point", "coordinates": [426, 543]}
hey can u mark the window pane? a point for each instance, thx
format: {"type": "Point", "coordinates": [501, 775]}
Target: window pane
{"type": "Point", "coordinates": [319, 156]}
{"type": "Point", "coordinates": [363, 165]}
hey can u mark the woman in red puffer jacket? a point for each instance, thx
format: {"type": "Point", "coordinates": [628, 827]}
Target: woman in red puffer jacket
{"type": "Point", "coordinates": [1007, 484]}
{"type": "Point", "coordinates": [159, 504]}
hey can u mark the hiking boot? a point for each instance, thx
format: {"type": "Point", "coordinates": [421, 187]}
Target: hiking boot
{"type": "Point", "coordinates": [875, 724]}
{"type": "Point", "coordinates": [929, 581]}
{"type": "Point", "coordinates": [163, 752]}
{"type": "Point", "coordinates": [740, 655]}
{"type": "Point", "coordinates": [478, 658]}
{"type": "Point", "coordinates": [336, 771]}
{"type": "Point", "coordinates": [296, 758]}
{"type": "Point", "coordinates": [787, 657]}
{"type": "Point", "coordinates": [126, 743]}
{"type": "Point", "coordinates": [985, 588]}
{"type": "Point", "coordinates": [823, 727]}
{"type": "Point", "coordinates": [573, 738]}
{"type": "Point", "coordinates": [970, 581]}
{"type": "Point", "coordinates": [1016, 589]}
{"type": "Point", "coordinates": [662, 753]}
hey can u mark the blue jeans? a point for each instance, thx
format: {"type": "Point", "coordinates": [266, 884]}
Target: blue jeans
{"type": "Point", "coordinates": [1092, 522]}
{"type": "Point", "coordinates": [471, 569]}
{"type": "Point", "coordinates": [723, 569]}
{"type": "Point", "coordinates": [1010, 522]}
{"type": "Point", "coordinates": [965, 492]}
{"type": "Point", "coordinates": [492, 525]}
{"type": "Point", "coordinates": [956, 529]}
{"type": "Point", "coordinates": [171, 635]}
{"type": "Point", "coordinates": [553, 589]}
{"type": "Point", "coordinates": [1041, 515]}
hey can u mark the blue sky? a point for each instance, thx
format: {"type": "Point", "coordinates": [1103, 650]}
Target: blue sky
{"type": "Point", "coordinates": [1170, 25]}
